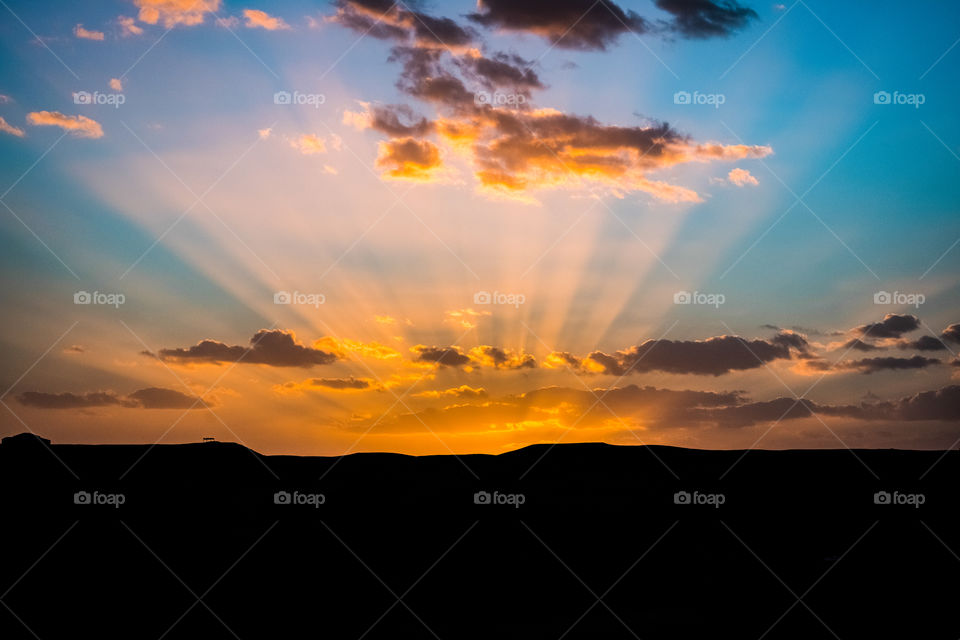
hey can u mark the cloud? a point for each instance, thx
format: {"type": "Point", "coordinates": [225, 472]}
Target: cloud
{"type": "Point", "coordinates": [128, 26]}
{"type": "Point", "coordinates": [461, 392]}
{"type": "Point", "coordinates": [276, 348]}
{"type": "Point", "coordinates": [171, 13]}
{"type": "Point", "coordinates": [85, 34]}
{"type": "Point", "coordinates": [6, 127]}
{"type": "Point", "coordinates": [159, 398]}
{"type": "Point", "coordinates": [332, 384]}
{"type": "Point", "coordinates": [409, 159]}
{"type": "Point", "coordinates": [308, 144]}
{"type": "Point", "coordinates": [264, 133]}
{"type": "Point", "coordinates": [874, 365]}
{"type": "Point", "coordinates": [741, 178]}
{"type": "Point", "coordinates": [444, 356]}
{"type": "Point", "coordinates": [116, 84]}
{"type": "Point", "coordinates": [952, 333]}
{"type": "Point", "coordinates": [706, 18]}
{"type": "Point", "coordinates": [859, 345]}
{"type": "Point", "coordinates": [924, 343]}
{"type": "Point", "coordinates": [644, 408]}
{"type": "Point", "coordinates": [256, 18]}
{"type": "Point", "coordinates": [395, 21]}
{"type": "Point", "coordinates": [713, 356]}
{"type": "Point", "coordinates": [570, 24]}
{"type": "Point", "coordinates": [149, 398]}
{"type": "Point", "coordinates": [79, 126]}
{"type": "Point", "coordinates": [479, 356]}
{"type": "Point", "coordinates": [497, 358]}
{"type": "Point", "coordinates": [486, 112]}
{"type": "Point", "coordinates": [892, 326]}
{"type": "Point", "coordinates": [397, 121]}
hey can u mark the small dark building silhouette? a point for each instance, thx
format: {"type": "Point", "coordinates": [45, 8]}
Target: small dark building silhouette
{"type": "Point", "coordinates": [209, 439]}
{"type": "Point", "coordinates": [24, 440]}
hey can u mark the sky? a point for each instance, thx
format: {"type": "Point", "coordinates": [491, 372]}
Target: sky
{"type": "Point", "coordinates": [448, 227]}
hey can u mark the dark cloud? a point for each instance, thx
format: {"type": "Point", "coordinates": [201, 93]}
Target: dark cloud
{"type": "Point", "coordinates": [873, 365]}
{"type": "Point", "coordinates": [159, 398]}
{"type": "Point", "coordinates": [446, 356]}
{"type": "Point", "coordinates": [706, 18]}
{"type": "Point", "coordinates": [892, 326]}
{"type": "Point", "coordinates": [399, 121]}
{"type": "Point", "coordinates": [501, 70]}
{"type": "Point", "coordinates": [149, 398]}
{"type": "Point", "coordinates": [389, 20]}
{"type": "Point", "coordinates": [501, 358]}
{"type": "Point", "coordinates": [952, 333]}
{"type": "Point", "coordinates": [570, 24]}
{"type": "Point", "coordinates": [924, 343]}
{"type": "Point", "coordinates": [277, 348]}
{"type": "Point", "coordinates": [859, 345]}
{"type": "Point", "coordinates": [340, 383]}
{"type": "Point", "coordinates": [713, 356]}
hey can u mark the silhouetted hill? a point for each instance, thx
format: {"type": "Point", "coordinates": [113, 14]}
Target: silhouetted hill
{"type": "Point", "coordinates": [121, 540]}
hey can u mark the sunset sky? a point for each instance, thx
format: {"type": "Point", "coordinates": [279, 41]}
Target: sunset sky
{"type": "Point", "coordinates": [319, 228]}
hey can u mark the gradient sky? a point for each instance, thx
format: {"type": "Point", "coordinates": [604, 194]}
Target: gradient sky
{"type": "Point", "coordinates": [397, 194]}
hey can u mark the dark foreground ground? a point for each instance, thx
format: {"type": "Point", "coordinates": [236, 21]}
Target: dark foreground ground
{"type": "Point", "coordinates": [200, 541]}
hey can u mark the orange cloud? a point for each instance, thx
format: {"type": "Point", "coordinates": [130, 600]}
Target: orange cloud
{"type": "Point", "coordinates": [175, 12]}
{"type": "Point", "coordinates": [6, 127]}
{"type": "Point", "coordinates": [256, 18]}
{"type": "Point", "coordinates": [309, 144]}
{"type": "Point", "coordinates": [128, 26]}
{"type": "Point", "coordinates": [79, 126]}
{"type": "Point", "coordinates": [410, 159]}
{"type": "Point", "coordinates": [85, 34]}
{"type": "Point", "coordinates": [116, 84]}
{"type": "Point", "coordinates": [742, 177]}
